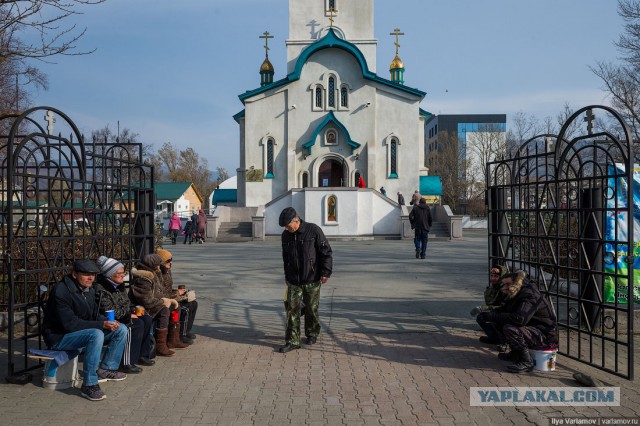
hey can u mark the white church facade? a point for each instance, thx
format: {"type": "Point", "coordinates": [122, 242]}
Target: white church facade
{"type": "Point", "coordinates": [308, 138]}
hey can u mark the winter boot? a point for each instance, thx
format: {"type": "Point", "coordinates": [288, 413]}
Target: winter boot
{"type": "Point", "coordinates": [523, 364]}
{"type": "Point", "coordinates": [174, 341]}
{"type": "Point", "coordinates": [161, 342]}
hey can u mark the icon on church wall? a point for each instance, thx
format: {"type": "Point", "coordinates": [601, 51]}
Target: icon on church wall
{"type": "Point", "coordinates": [255, 175]}
{"type": "Point", "coordinates": [331, 137]}
{"type": "Point", "coordinates": [332, 208]}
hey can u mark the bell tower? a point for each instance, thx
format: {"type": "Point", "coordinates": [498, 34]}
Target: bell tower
{"type": "Point", "coordinates": [309, 21]}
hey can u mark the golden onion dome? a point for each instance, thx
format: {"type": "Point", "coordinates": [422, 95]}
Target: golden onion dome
{"type": "Point", "coordinates": [266, 66]}
{"type": "Point", "coordinates": [396, 63]}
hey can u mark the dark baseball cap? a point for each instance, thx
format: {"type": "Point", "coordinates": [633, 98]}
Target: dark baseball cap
{"type": "Point", "coordinates": [85, 266]}
{"type": "Point", "coordinates": [286, 216]}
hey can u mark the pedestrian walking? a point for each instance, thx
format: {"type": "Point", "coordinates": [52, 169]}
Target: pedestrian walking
{"type": "Point", "coordinates": [308, 263]}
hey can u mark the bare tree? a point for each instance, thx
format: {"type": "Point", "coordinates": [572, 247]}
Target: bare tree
{"type": "Point", "coordinates": [486, 145]}
{"type": "Point", "coordinates": [451, 165]}
{"type": "Point", "coordinates": [46, 19]}
{"type": "Point", "coordinates": [622, 82]}
{"type": "Point", "coordinates": [222, 174]}
{"type": "Point", "coordinates": [521, 127]}
{"type": "Point", "coordinates": [42, 21]}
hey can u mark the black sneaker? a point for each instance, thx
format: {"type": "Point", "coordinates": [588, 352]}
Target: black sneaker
{"type": "Point", "coordinates": [311, 340]}
{"type": "Point", "coordinates": [146, 361]}
{"type": "Point", "coordinates": [288, 348]}
{"type": "Point", "coordinates": [92, 393]}
{"type": "Point", "coordinates": [110, 375]}
{"type": "Point", "coordinates": [417, 254]}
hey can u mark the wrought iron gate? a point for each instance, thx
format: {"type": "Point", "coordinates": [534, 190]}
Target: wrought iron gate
{"type": "Point", "coordinates": [563, 210]}
{"type": "Point", "coordinates": [62, 199]}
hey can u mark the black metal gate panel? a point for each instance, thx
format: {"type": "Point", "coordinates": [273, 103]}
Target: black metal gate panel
{"type": "Point", "coordinates": [62, 199]}
{"type": "Point", "coordinates": [562, 209]}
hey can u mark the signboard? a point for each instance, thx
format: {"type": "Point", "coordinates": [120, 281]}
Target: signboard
{"type": "Point", "coordinates": [615, 257]}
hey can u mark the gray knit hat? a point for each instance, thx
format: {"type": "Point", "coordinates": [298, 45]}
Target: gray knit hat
{"type": "Point", "coordinates": [108, 266]}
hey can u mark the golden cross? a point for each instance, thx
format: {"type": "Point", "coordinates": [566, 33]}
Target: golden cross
{"type": "Point", "coordinates": [331, 12]}
{"type": "Point", "coordinates": [266, 38]}
{"type": "Point", "coordinates": [396, 33]}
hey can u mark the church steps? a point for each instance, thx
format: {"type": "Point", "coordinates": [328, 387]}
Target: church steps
{"type": "Point", "coordinates": [235, 232]}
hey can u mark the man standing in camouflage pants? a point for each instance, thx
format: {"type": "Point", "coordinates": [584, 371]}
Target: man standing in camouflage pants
{"type": "Point", "coordinates": [308, 264]}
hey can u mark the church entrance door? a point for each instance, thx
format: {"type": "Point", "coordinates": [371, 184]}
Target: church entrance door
{"type": "Point", "coordinates": [331, 173]}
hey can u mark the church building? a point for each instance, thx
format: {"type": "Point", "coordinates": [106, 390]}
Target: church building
{"type": "Point", "coordinates": [308, 138]}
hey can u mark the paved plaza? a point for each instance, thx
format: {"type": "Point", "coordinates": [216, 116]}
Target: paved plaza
{"type": "Point", "coordinates": [397, 347]}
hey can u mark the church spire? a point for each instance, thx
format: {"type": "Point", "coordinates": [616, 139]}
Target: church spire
{"type": "Point", "coordinates": [397, 67]}
{"type": "Point", "coordinates": [266, 69]}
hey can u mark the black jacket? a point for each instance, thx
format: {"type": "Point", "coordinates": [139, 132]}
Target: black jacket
{"type": "Point", "coordinates": [69, 309]}
{"type": "Point", "coordinates": [420, 217]}
{"type": "Point", "coordinates": [306, 254]}
{"type": "Point", "coordinates": [527, 306]}
{"type": "Point", "coordinates": [109, 297]}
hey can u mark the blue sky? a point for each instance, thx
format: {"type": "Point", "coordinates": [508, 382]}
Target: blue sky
{"type": "Point", "coordinates": [172, 71]}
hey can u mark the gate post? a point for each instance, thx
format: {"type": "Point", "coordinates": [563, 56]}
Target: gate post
{"type": "Point", "coordinates": [498, 226]}
{"type": "Point", "coordinates": [591, 271]}
{"type": "Point", "coordinates": [143, 228]}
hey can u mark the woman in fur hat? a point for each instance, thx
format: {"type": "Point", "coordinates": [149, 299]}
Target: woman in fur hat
{"type": "Point", "coordinates": [146, 289]}
{"type": "Point", "coordinates": [112, 295]}
{"type": "Point", "coordinates": [186, 299]}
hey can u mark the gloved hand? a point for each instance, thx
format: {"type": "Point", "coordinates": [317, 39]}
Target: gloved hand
{"type": "Point", "coordinates": [487, 316]}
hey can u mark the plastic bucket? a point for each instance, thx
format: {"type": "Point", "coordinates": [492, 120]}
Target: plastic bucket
{"type": "Point", "coordinates": [544, 360]}
{"type": "Point", "coordinates": [60, 377]}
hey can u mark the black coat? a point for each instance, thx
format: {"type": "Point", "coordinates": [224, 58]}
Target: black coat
{"type": "Point", "coordinates": [306, 254]}
{"type": "Point", "coordinates": [420, 217]}
{"type": "Point", "coordinates": [527, 306]}
{"type": "Point", "coordinates": [69, 309]}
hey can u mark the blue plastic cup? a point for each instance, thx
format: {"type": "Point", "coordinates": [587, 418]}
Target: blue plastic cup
{"type": "Point", "coordinates": [111, 315]}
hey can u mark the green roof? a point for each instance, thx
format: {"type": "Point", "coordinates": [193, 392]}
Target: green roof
{"type": "Point", "coordinates": [331, 40]}
{"type": "Point", "coordinates": [170, 190]}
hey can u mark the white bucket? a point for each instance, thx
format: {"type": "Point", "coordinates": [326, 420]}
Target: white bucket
{"type": "Point", "coordinates": [60, 377]}
{"type": "Point", "coordinates": [544, 360]}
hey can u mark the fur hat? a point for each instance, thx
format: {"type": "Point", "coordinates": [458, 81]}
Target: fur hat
{"type": "Point", "coordinates": [152, 261]}
{"type": "Point", "coordinates": [287, 215]}
{"type": "Point", "coordinates": [504, 270]}
{"type": "Point", "coordinates": [108, 266]}
{"type": "Point", "coordinates": [85, 266]}
{"type": "Point", "coordinates": [164, 254]}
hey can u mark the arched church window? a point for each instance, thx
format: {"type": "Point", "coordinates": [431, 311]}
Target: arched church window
{"type": "Point", "coordinates": [393, 163]}
{"type": "Point", "coordinates": [356, 179]}
{"type": "Point", "coordinates": [344, 97]}
{"type": "Point", "coordinates": [305, 180]}
{"type": "Point", "coordinates": [332, 92]}
{"type": "Point", "coordinates": [332, 4]}
{"type": "Point", "coordinates": [318, 97]}
{"type": "Point", "coordinates": [269, 158]}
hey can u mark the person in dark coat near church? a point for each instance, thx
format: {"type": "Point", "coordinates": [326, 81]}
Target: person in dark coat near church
{"type": "Point", "coordinates": [400, 198]}
{"type": "Point", "coordinates": [308, 263]}
{"type": "Point", "coordinates": [420, 218]}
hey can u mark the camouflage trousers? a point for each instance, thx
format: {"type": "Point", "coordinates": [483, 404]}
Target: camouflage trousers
{"type": "Point", "coordinates": [310, 294]}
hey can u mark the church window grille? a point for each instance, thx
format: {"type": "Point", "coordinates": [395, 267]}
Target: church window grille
{"type": "Point", "coordinates": [318, 97]}
{"type": "Point", "coordinates": [356, 179]}
{"type": "Point", "coordinates": [332, 4]}
{"type": "Point", "coordinates": [394, 158]}
{"type": "Point", "coordinates": [332, 94]}
{"type": "Point", "coordinates": [305, 180]}
{"type": "Point", "coordinates": [269, 158]}
{"type": "Point", "coordinates": [344, 97]}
